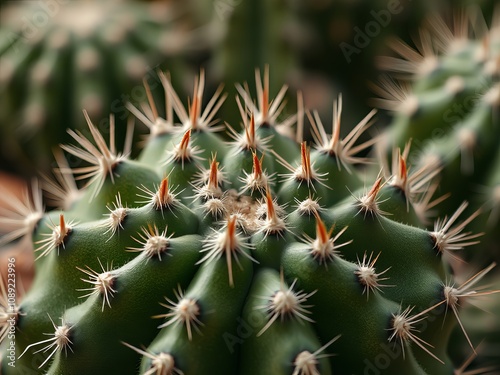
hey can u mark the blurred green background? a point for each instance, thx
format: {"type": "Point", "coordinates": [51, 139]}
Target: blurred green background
{"type": "Point", "coordinates": [58, 57]}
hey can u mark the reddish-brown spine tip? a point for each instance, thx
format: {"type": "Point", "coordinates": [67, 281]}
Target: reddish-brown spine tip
{"type": "Point", "coordinates": [270, 206]}
{"type": "Point", "coordinates": [214, 169]}
{"type": "Point", "coordinates": [185, 140]}
{"type": "Point", "coordinates": [62, 225]}
{"type": "Point", "coordinates": [305, 158]}
{"type": "Point", "coordinates": [231, 231]}
{"type": "Point", "coordinates": [403, 171]}
{"type": "Point", "coordinates": [195, 107]}
{"type": "Point", "coordinates": [163, 191]}
{"type": "Point", "coordinates": [257, 165]}
{"type": "Point", "coordinates": [372, 194]}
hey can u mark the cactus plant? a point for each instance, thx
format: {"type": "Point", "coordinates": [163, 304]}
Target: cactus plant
{"type": "Point", "coordinates": [59, 57]}
{"type": "Point", "coordinates": [260, 255]}
{"type": "Point", "coordinates": [448, 105]}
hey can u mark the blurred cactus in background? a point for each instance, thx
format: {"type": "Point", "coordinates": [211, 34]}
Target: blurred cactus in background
{"type": "Point", "coordinates": [319, 47]}
{"type": "Point", "coordinates": [447, 104]}
{"type": "Point", "coordinates": [60, 57]}
{"type": "Point", "coordinates": [444, 92]}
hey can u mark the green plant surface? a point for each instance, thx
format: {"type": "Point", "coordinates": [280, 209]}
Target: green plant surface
{"type": "Point", "coordinates": [175, 264]}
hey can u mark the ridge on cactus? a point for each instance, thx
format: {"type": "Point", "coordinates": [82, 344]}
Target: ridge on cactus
{"type": "Point", "coordinates": [264, 253]}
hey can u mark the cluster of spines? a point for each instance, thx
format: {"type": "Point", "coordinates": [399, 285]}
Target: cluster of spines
{"type": "Point", "coordinates": [274, 223]}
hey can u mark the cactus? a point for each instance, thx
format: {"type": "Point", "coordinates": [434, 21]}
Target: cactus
{"type": "Point", "coordinates": [448, 105]}
{"type": "Point", "coordinates": [260, 255]}
{"type": "Point", "coordinates": [59, 57]}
